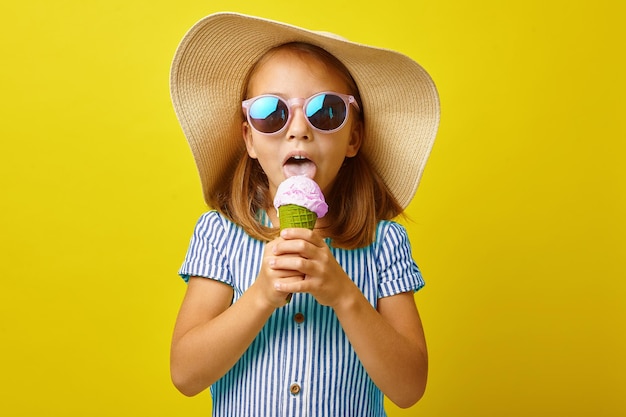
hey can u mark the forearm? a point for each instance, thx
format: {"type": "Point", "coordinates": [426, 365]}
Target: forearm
{"type": "Point", "coordinates": [396, 361]}
{"type": "Point", "coordinates": [207, 351]}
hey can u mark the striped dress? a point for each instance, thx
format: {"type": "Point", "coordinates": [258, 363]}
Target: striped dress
{"type": "Point", "coordinates": [301, 363]}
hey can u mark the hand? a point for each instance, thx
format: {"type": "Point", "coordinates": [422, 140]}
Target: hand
{"type": "Point", "coordinates": [305, 254]}
{"type": "Point", "coordinates": [270, 275]}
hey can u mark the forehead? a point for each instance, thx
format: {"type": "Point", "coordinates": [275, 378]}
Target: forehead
{"type": "Point", "coordinates": [284, 69]}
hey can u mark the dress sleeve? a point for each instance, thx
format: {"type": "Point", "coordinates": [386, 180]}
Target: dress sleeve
{"type": "Point", "coordinates": [397, 270]}
{"type": "Point", "coordinates": [205, 255]}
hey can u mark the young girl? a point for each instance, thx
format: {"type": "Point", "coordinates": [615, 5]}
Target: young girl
{"type": "Point", "coordinates": [361, 122]}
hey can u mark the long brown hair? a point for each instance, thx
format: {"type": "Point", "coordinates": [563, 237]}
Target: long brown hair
{"type": "Point", "coordinates": [357, 201]}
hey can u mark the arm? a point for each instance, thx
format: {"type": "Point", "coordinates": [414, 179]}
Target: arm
{"type": "Point", "coordinates": [389, 341]}
{"type": "Point", "coordinates": [211, 335]}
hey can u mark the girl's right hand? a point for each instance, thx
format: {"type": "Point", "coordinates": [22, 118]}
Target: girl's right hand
{"type": "Point", "coordinates": [269, 276]}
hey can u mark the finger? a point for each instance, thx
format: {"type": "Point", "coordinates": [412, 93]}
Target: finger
{"type": "Point", "coordinates": [304, 234]}
{"type": "Point", "coordinates": [291, 286]}
{"type": "Point", "coordinates": [294, 265]}
{"type": "Point", "coordinates": [285, 262]}
{"type": "Point", "coordinates": [294, 247]}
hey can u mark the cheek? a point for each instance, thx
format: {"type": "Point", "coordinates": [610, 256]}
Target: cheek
{"type": "Point", "coordinates": [266, 153]}
{"type": "Point", "coordinates": [261, 151]}
{"type": "Point", "coordinates": [334, 160]}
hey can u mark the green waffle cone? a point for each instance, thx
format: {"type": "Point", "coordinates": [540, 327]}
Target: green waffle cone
{"type": "Point", "coordinates": [291, 215]}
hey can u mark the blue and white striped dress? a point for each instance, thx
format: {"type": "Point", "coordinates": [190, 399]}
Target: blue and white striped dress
{"type": "Point", "coordinates": [301, 363]}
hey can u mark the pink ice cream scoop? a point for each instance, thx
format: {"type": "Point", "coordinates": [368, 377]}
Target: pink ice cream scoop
{"type": "Point", "coordinates": [299, 202]}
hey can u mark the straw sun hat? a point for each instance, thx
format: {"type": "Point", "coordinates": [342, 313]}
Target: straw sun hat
{"type": "Point", "coordinates": [400, 101]}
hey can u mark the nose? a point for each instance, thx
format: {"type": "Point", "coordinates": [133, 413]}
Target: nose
{"type": "Point", "coordinates": [298, 125]}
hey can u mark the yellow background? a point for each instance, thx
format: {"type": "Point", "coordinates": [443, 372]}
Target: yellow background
{"type": "Point", "coordinates": [518, 225]}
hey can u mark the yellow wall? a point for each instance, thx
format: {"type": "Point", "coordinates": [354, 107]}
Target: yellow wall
{"type": "Point", "coordinates": [518, 225]}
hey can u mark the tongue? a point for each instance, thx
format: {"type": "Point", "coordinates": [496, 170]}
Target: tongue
{"type": "Point", "coordinates": [306, 168]}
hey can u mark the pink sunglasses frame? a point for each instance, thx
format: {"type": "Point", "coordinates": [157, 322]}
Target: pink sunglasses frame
{"type": "Point", "coordinates": [302, 103]}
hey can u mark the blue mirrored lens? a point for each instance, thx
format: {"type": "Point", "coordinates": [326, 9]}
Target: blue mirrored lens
{"type": "Point", "coordinates": [268, 114]}
{"type": "Point", "coordinates": [326, 111]}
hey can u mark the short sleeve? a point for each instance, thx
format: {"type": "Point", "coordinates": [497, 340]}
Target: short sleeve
{"type": "Point", "coordinates": [206, 256]}
{"type": "Point", "coordinates": [397, 270]}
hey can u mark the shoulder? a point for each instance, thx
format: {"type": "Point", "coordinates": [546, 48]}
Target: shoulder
{"type": "Point", "coordinates": [392, 243]}
{"type": "Point", "coordinates": [216, 224]}
{"type": "Point", "coordinates": [389, 232]}
{"type": "Point", "coordinates": [399, 272]}
{"type": "Point", "coordinates": [213, 218]}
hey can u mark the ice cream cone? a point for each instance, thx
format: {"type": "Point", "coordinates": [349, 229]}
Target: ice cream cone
{"type": "Point", "coordinates": [292, 215]}
{"type": "Point", "coordinates": [299, 202]}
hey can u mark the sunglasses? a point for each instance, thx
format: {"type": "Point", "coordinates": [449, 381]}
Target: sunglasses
{"type": "Point", "coordinates": [326, 112]}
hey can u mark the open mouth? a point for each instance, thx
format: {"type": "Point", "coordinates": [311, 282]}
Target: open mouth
{"type": "Point", "coordinates": [299, 165]}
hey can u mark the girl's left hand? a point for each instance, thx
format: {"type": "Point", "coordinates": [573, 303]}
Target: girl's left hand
{"type": "Point", "coordinates": [324, 278]}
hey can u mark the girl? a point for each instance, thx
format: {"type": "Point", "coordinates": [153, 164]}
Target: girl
{"type": "Point", "coordinates": [351, 333]}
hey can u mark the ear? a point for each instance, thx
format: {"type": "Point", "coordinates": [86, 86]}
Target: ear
{"type": "Point", "coordinates": [246, 133]}
{"type": "Point", "coordinates": [356, 139]}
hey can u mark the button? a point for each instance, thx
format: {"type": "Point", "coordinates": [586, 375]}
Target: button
{"type": "Point", "coordinates": [294, 389]}
{"type": "Point", "coordinates": [298, 318]}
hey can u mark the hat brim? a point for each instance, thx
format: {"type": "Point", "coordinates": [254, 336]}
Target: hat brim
{"type": "Point", "coordinates": [400, 101]}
